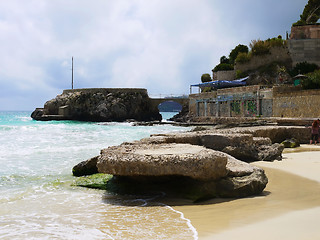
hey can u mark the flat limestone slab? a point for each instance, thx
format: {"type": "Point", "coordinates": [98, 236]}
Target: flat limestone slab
{"type": "Point", "coordinates": [189, 160]}
{"type": "Point", "coordinates": [170, 149]}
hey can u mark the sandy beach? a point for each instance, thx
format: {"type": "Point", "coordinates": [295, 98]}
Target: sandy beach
{"type": "Point", "coordinates": [289, 207]}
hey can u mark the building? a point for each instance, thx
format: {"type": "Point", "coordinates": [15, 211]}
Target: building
{"type": "Point", "coordinates": [304, 44]}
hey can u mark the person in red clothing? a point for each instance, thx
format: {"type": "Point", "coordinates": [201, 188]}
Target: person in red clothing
{"type": "Point", "coordinates": [314, 132]}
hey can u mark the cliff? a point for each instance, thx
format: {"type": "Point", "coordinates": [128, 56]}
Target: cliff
{"type": "Point", "coordinates": [99, 105]}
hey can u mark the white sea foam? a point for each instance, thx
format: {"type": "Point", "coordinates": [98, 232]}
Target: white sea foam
{"type": "Point", "coordinates": [37, 201]}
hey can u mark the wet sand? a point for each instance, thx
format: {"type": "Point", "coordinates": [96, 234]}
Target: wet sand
{"type": "Point", "coordinates": [289, 207]}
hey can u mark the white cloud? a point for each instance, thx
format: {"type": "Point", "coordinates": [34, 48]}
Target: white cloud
{"type": "Point", "coordinates": [160, 45]}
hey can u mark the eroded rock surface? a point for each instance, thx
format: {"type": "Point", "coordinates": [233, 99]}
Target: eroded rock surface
{"type": "Point", "coordinates": [190, 171]}
{"type": "Point", "coordinates": [241, 145]}
{"type": "Point", "coordinates": [198, 165]}
{"type": "Point", "coordinates": [187, 160]}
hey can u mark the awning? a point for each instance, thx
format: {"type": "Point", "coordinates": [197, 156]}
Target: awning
{"type": "Point", "coordinates": [222, 83]}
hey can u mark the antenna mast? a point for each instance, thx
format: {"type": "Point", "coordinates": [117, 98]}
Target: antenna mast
{"type": "Point", "coordinates": [72, 74]}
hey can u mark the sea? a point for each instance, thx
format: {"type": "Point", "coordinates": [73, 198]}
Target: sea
{"type": "Point", "coordinates": [39, 201]}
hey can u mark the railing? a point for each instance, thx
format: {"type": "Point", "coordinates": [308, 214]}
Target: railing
{"type": "Point", "coordinates": [168, 95]}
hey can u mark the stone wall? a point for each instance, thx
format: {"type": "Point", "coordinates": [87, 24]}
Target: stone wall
{"type": "Point", "coordinates": [266, 102]}
{"type": "Point", "coordinates": [224, 75]}
{"type": "Point", "coordinates": [106, 90]}
{"type": "Point", "coordinates": [305, 32]}
{"type": "Point", "coordinates": [196, 103]}
{"type": "Point", "coordinates": [304, 50]}
{"type": "Point", "coordinates": [297, 104]}
{"type": "Point", "coordinates": [277, 54]}
{"type": "Point", "coordinates": [252, 101]}
{"type": "Point", "coordinates": [248, 101]}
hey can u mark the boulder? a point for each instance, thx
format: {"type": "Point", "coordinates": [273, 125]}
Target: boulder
{"type": "Point", "coordinates": [291, 143]}
{"type": "Point", "coordinates": [186, 160]}
{"type": "Point", "coordinates": [37, 113]}
{"type": "Point", "coordinates": [188, 170]}
{"type": "Point", "coordinates": [87, 167]}
{"type": "Point", "coordinates": [183, 170]}
{"type": "Point", "coordinates": [243, 180]}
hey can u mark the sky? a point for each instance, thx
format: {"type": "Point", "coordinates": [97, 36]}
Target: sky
{"type": "Point", "coordinates": [161, 45]}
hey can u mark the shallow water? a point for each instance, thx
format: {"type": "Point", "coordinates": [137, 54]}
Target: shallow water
{"type": "Point", "coordinates": [37, 200]}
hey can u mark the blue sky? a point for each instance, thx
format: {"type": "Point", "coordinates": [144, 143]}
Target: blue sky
{"type": "Point", "coordinates": [161, 45]}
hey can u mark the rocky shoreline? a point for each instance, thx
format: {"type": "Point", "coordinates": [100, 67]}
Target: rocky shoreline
{"type": "Point", "coordinates": [196, 164]}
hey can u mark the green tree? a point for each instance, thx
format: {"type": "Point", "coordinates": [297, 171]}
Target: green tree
{"type": "Point", "coordinates": [224, 59]}
{"type": "Point", "coordinates": [206, 77]}
{"type": "Point", "coordinates": [234, 52]}
{"type": "Point", "coordinates": [310, 14]}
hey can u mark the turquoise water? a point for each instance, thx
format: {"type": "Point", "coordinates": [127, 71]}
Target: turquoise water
{"type": "Point", "coordinates": [37, 200]}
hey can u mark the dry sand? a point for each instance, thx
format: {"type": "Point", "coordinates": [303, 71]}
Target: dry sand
{"type": "Point", "coordinates": [289, 207]}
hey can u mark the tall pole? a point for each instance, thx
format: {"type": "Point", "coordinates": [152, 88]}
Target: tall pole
{"type": "Point", "coordinates": [72, 73]}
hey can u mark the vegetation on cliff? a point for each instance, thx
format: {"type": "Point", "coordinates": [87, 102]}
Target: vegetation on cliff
{"type": "Point", "coordinates": [228, 63]}
{"type": "Point", "coordinates": [310, 14]}
{"type": "Point", "coordinates": [312, 81]}
{"type": "Point", "coordinates": [242, 53]}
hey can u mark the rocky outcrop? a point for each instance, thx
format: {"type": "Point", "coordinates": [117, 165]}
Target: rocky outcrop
{"type": "Point", "coordinates": [196, 165]}
{"type": "Point", "coordinates": [190, 171]}
{"type": "Point", "coordinates": [183, 115]}
{"type": "Point", "coordinates": [243, 180]}
{"type": "Point", "coordinates": [99, 105]}
{"type": "Point", "coordinates": [276, 134]}
{"type": "Point", "coordinates": [87, 167]}
{"type": "Point", "coordinates": [242, 146]}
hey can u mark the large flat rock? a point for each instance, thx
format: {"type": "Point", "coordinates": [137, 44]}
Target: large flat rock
{"type": "Point", "coordinates": [173, 159]}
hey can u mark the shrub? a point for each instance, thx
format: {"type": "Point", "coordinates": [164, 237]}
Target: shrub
{"type": "Point", "coordinates": [313, 80]}
{"type": "Point", "coordinates": [223, 67]}
{"type": "Point", "coordinates": [206, 77]}
{"type": "Point", "coordinates": [270, 69]}
{"type": "Point", "coordinates": [303, 68]}
{"type": "Point", "coordinates": [276, 42]}
{"type": "Point", "coordinates": [240, 74]}
{"type": "Point", "coordinates": [259, 47]}
{"type": "Point", "coordinates": [243, 57]}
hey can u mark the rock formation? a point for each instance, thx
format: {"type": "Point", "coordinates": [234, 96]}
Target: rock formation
{"type": "Point", "coordinates": [243, 146]}
{"type": "Point", "coordinates": [182, 116]}
{"type": "Point", "coordinates": [99, 105]}
{"type": "Point", "coordinates": [190, 171]}
{"type": "Point", "coordinates": [196, 165]}
{"type": "Point", "coordinates": [187, 160]}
